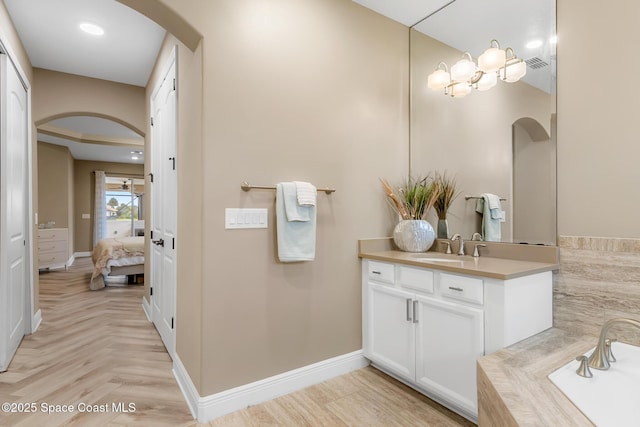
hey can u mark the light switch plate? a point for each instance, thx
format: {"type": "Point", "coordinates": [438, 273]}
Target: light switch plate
{"type": "Point", "coordinates": [245, 218]}
{"type": "Point", "coordinates": [86, 216]}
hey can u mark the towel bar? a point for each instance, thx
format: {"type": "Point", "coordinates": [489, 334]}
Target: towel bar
{"type": "Point", "coordinates": [479, 197]}
{"type": "Point", "coordinates": [246, 187]}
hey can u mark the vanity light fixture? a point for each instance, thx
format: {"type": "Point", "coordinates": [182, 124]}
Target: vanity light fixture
{"type": "Point", "coordinates": [494, 63]}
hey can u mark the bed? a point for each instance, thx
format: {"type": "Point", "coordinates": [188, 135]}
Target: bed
{"type": "Point", "coordinates": [116, 257]}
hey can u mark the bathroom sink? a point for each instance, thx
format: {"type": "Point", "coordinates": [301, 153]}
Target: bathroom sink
{"type": "Point", "coordinates": [609, 398]}
{"type": "Point", "coordinates": [438, 258]}
{"type": "Point", "coordinates": [427, 259]}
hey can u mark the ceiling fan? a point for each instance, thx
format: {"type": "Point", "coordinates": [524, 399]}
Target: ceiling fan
{"type": "Point", "coordinates": [125, 186]}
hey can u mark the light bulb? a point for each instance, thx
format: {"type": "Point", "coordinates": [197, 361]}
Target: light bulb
{"type": "Point", "coordinates": [492, 59]}
{"type": "Point", "coordinates": [463, 70]}
{"type": "Point", "coordinates": [460, 90]}
{"type": "Point", "coordinates": [438, 80]}
{"type": "Point", "coordinates": [514, 72]}
{"type": "Point", "coordinates": [487, 81]}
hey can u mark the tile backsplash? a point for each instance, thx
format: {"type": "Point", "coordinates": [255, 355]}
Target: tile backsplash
{"type": "Point", "coordinates": [598, 279]}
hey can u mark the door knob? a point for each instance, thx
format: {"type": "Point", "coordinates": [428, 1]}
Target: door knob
{"type": "Point", "coordinates": [159, 242]}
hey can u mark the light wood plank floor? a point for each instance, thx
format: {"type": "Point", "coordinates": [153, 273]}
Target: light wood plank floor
{"type": "Point", "coordinates": [97, 348]}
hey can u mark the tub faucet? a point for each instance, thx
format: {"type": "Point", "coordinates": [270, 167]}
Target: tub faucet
{"type": "Point", "coordinates": [600, 357]}
{"type": "Point", "coordinates": [461, 247]}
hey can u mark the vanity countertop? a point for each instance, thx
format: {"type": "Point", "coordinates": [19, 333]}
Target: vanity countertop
{"type": "Point", "coordinates": [484, 266]}
{"type": "Point", "coordinates": [498, 260]}
{"type": "Point", "coordinates": [513, 387]}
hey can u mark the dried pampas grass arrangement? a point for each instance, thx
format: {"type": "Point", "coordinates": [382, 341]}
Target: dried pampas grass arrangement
{"type": "Point", "coordinates": [414, 198]}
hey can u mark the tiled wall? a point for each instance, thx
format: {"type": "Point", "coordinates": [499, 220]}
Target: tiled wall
{"type": "Point", "coordinates": [599, 279]}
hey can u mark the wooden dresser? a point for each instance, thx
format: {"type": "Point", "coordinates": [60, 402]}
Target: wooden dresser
{"type": "Point", "coordinates": [53, 248]}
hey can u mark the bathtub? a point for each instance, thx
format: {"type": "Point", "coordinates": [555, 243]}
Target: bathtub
{"type": "Point", "coordinates": [611, 398]}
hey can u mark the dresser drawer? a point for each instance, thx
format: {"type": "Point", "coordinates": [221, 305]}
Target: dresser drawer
{"type": "Point", "coordinates": [52, 234]}
{"type": "Point", "coordinates": [381, 271]}
{"type": "Point", "coordinates": [52, 258]}
{"type": "Point", "coordinates": [462, 288]}
{"type": "Point", "coordinates": [415, 278]}
{"type": "Point", "coordinates": [52, 246]}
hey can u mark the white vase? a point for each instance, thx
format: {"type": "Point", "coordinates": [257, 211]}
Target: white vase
{"type": "Point", "coordinates": [413, 235]}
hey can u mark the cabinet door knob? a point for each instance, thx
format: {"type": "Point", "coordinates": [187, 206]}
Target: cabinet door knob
{"type": "Point", "coordinates": [409, 309]}
{"type": "Point", "coordinates": [415, 311]}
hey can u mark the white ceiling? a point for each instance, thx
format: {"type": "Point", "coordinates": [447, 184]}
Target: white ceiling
{"type": "Point", "coordinates": [50, 32]}
{"type": "Point", "coordinates": [126, 53]}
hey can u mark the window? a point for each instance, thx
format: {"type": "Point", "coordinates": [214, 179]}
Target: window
{"type": "Point", "coordinates": [124, 206]}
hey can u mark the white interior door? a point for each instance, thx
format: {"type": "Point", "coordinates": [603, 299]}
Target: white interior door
{"type": "Point", "coordinates": [164, 207]}
{"type": "Point", "coordinates": [13, 202]}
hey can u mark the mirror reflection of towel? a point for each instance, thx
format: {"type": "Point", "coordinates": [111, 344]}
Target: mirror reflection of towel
{"type": "Point", "coordinates": [490, 209]}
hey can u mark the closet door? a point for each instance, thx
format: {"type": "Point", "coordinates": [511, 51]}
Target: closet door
{"type": "Point", "coordinates": [13, 202]}
{"type": "Point", "coordinates": [164, 206]}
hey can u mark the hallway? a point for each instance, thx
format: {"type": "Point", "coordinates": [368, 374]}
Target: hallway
{"type": "Point", "coordinates": [94, 348]}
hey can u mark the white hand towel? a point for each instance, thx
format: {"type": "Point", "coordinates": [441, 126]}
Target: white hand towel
{"type": "Point", "coordinates": [296, 239]}
{"type": "Point", "coordinates": [294, 211]}
{"type": "Point", "coordinates": [306, 193]}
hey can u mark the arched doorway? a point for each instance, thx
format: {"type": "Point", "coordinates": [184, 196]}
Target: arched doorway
{"type": "Point", "coordinates": [534, 183]}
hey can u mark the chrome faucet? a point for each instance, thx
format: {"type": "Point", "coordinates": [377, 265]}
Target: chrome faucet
{"type": "Point", "coordinates": [477, 236]}
{"type": "Point", "coordinates": [461, 247]}
{"type": "Point", "coordinates": [476, 252]}
{"type": "Point", "coordinates": [602, 355]}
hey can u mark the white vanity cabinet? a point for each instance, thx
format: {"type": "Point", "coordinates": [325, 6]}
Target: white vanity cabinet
{"type": "Point", "coordinates": [428, 327]}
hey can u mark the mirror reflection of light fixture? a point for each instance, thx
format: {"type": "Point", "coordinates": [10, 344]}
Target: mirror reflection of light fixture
{"type": "Point", "coordinates": [494, 63]}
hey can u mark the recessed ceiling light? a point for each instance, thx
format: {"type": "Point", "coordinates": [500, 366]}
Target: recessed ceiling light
{"type": "Point", "coordinates": [534, 44]}
{"type": "Point", "coordinates": [134, 157]}
{"type": "Point", "coordinates": [93, 29]}
{"type": "Point", "coordinates": [136, 152]}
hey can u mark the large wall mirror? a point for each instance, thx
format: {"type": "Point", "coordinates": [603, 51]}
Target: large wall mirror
{"type": "Point", "coordinates": [500, 141]}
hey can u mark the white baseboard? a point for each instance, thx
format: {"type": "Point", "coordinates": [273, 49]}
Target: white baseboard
{"type": "Point", "coordinates": [70, 261]}
{"type": "Point", "coordinates": [207, 408]}
{"type": "Point", "coordinates": [189, 390]}
{"type": "Point", "coordinates": [36, 321]}
{"type": "Point", "coordinates": [146, 307]}
{"type": "Point", "coordinates": [81, 254]}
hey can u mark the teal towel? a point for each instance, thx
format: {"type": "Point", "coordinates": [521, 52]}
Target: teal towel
{"type": "Point", "coordinates": [296, 238]}
{"type": "Point", "coordinates": [491, 227]}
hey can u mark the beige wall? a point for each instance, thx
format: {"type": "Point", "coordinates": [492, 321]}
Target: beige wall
{"type": "Point", "coordinates": [84, 193]}
{"type": "Point", "coordinates": [469, 138]}
{"type": "Point", "coordinates": [59, 94]}
{"type": "Point", "coordinates": [598, 147]}
{"type": "Point", "coordinates": [308, 90]}
{"type": "Point", "coordinates": [53, 177]}
{"type": "Point", "coordinates": [55, 185]}
{"type": "Point", "coordinates": [13, 43]}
